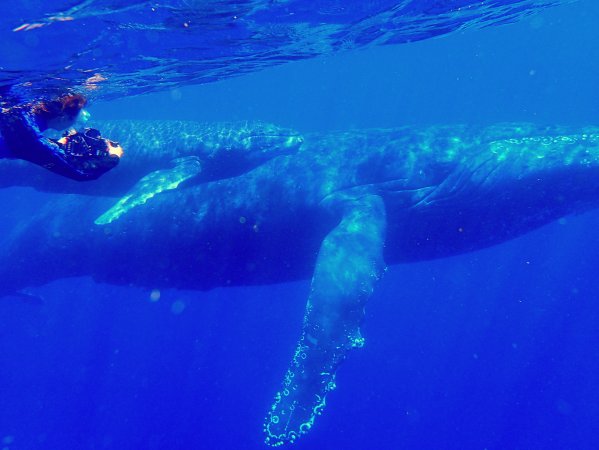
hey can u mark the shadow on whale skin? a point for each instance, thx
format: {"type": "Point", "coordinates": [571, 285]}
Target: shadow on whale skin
{"type": "Point", "coordinates": [338, 210]}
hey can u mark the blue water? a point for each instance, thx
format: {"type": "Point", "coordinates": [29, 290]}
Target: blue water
{"type": "Point", "coordinates": [113, 48]}
{"type": "Point", "coordinates": [496, 349]}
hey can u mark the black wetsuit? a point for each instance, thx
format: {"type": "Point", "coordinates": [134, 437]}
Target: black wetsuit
{"type": "Point", "coordinates": [21, 138]}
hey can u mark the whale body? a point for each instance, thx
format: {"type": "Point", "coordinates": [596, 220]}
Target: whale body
{"type": "Point", "coordinates": [338, 210]}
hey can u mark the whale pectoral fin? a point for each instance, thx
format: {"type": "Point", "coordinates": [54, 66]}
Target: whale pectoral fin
{"type": "Point", "coordinates": [151, 185]}
{"type": "Point", "coordinates": [349, 263]}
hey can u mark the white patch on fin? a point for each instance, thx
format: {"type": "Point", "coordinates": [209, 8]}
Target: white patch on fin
{"type": "Point", "coordinates": [152, 184]}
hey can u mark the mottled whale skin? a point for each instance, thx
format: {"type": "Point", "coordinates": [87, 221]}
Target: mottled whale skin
{"type": "Point", "coordinates": [338, 211]}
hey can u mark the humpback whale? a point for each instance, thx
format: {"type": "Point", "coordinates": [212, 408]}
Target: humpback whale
{"type": "Point", "coordinates": [164, 154]}
{"type": "Point", "coordinates": [338, 210]}
{"type": "Point", "coordinates": [220, 149]}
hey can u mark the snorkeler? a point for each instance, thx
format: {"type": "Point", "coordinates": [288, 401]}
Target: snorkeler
{"type": "Point", "coordinates": [78, 155]}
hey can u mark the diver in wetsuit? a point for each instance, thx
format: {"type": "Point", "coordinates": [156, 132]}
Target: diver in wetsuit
{"type": "Point", "coordinates": [78, 155]}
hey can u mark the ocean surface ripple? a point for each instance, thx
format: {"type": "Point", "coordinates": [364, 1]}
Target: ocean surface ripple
{"type": "Point", "coordinates": [115, 48]}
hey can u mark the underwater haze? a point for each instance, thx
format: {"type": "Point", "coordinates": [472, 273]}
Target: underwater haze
{"type": "Point", "coordinates": [495, 349]}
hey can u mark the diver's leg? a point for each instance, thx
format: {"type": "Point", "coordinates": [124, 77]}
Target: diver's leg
{"type": "Point", "coordinates": [349, 263]}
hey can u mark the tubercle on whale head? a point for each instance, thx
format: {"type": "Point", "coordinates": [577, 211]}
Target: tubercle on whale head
{"type": "Point", "coordinates": [294, 140]}
{"type": "Point", "coordinates": [292, 144]}
{"type": "Point", "coordinates": [548, 152]}
{"type": "Point", "coordinates": [556, 169]}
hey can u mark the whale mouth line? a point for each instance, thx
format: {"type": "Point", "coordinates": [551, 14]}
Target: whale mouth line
{"type": "Point", "coordinates": [275, 136]}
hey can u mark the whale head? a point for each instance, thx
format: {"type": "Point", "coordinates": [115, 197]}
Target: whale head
{"type": "Point", "coordinates": [233, 150]}
{"type": "Point", "coordinates": [266, 140]}
{"type": "Point", "coordinates": [557, 170]}
{"type": "Point", "coordinates": [499, 188]}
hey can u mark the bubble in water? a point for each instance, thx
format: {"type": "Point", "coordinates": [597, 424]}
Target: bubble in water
{"type": "Point", "coordinates": [176, 95]}
{"type": "Point", "coordinates": [155, 295]}
{"type": "Point", "coordinates": [177, 307]}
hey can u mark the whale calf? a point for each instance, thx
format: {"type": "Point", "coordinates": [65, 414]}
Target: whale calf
{"type": "Point", "coordinates": [338, 210]}
{"type": "Point", "coordinates": [221, 149]}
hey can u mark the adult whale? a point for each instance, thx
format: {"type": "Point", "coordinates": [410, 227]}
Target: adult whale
{"type": "Point", "coordinates": [340, 209]}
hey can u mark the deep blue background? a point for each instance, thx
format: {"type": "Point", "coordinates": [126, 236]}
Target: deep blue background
{"type": "Point", "coordinates": [493, 350]}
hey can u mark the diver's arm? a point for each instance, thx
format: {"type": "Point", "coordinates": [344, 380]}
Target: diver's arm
{"type": "Point", "coordinates": [23, 140]}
